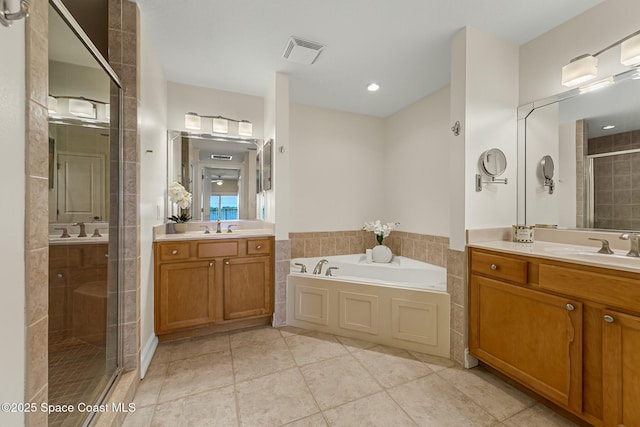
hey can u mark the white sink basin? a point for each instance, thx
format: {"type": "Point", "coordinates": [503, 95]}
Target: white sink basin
{"type": "Point", "coordinates": [591, 255]}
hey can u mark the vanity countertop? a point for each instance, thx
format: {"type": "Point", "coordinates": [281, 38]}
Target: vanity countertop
{"type": "Point", "coordinates": [200, 235]}
{"type": "Point", "coordinates": [89, 240]}
{"type": "Point", "coordinates": [586, 255]}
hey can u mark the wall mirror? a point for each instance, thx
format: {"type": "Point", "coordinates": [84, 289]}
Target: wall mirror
{"type": "Point", "coordinates": [220, 171]}
{"type": "Point", "coordinates": [594, 138]}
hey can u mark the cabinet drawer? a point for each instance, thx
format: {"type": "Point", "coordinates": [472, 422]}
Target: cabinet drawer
{"type": "Point", "coordinates": [174, 251]}
{"type": "Point", "coordinates": [258, 246]}
{"type": "Point", "coordinates": [500, 267]}
{"type": "Point", "coordinates": [603, 288]}
{"type": "Point", "coordinates": [218, 249]}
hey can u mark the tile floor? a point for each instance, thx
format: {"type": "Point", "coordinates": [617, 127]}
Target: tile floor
{"type": "Point", "coordinates": [294, 377]}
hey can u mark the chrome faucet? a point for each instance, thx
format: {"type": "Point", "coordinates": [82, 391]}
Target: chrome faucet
{"type": "Point", "coordinates": [218, 227]}
{"type": "Point", "coordinates": [634, 243]}
{"type": "Point", "coordinates": [229, 229]}
{"type": "Point", "coordinates": [318, 267]}
{"type": "Point", "coordinates": [330, 269]}
{"type": "Point", "coordinates": [83, 232]}
{"type": "Point", "coordinates": [303, 268]}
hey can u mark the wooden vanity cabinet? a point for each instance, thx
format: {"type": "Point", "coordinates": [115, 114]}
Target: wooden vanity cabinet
{"type": "Point", "coordinates": [204, 286]}
{"type": "Point", "coordinates": [570, 333]}
{"type": "Point", "coordinates": [531, 336]}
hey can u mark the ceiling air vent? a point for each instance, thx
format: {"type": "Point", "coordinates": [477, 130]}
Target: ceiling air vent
{"type": "Point", "coordinates": [302, 51]}
{"type": "Point", "coordinates": [221, 157]}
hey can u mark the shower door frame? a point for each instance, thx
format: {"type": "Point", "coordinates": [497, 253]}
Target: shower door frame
{"type": "Point", "coordinates": [64, 13]}
{"type": "Point", "coordinates": [589, 179]}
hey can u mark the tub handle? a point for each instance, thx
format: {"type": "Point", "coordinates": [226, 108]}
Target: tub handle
{"type": "Point", "coordinates": [328, 273]}
{"type": "Point", "coordinates": [303, 268]}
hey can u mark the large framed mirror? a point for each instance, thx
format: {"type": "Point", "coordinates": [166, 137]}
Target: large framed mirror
{"type": "Point", "coordinates": [593, 134]}
{"type": "Point", "coordinates": [220, 171]}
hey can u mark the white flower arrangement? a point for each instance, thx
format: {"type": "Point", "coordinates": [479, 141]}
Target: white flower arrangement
{"type": "Point", "coordinates": [381, 230]}
{"type": "Point", "coordinates": [181, 197]}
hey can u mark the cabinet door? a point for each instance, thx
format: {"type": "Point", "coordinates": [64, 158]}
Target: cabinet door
{"type": "Point", "coordinates": [186, 295]}
{"type": "Point", "coordinates": [533, 337]}
{"type": "Point", "coordinates": [247, 287]}
{"type": "Point", "coordinates": [621, 369]}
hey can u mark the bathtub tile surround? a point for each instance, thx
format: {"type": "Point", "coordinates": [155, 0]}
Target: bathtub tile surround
{"type": "Point", "coordinates": [283, 266]}
{"type": "Point", "coordinates": [346, 384]}
{"type": "Point", "coordinates": [456, 287]}
{"type": "Point", "coordinates": [421, 247]}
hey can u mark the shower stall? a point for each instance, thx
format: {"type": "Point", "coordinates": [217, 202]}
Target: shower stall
{"type": "Point", "coordinates": [85, 154]}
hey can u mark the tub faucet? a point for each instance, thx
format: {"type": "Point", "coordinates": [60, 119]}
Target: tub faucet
{"type": "Point", "coordinates": [634, 243]}
{"type": "Point", "coordinates": [318, 267]}
{"type": "Point", "coordinates": [83, 232]}
{"type": "Point", "coordinates": [303, 268]}
{"type": "Point", "coordinates": [329, 270]}
{"type": "Point", "coordinates": [218, 226]}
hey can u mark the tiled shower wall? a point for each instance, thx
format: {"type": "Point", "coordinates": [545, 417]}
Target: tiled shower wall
{"type": "Point", "coordinates": [616, 181]}
{"type": "Point", "coordinates": [36, 207]}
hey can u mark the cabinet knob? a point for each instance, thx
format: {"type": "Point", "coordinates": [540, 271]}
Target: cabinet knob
{"type": "Point", "coordinates": [494, 267]}
{"type": "Point", "coordinates": [210, 264]}
{"type": "Point", "coordinates": [570, 307]}
{"type": "Point", "coordinates": [60, 275]}
{"type": "Point", "coordinates": [174, 252]}
{"type": "Point", "coordinates": [609, 319]}
{"type": "Point", "coordinates": [258, 246]}
{"type": "Point", "coordinates": [226, 262]}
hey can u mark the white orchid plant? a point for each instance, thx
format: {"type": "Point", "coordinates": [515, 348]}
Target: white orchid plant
{"type": "Point", "coordinates": [381, 230]}
{"type": "Point", "coordinates": [181, 197]}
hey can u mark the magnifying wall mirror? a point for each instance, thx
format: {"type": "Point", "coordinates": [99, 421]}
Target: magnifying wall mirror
{"type": "Point", "coordinates": [547, 167]}
{"type": "Point", "coordinates": [493, 162]}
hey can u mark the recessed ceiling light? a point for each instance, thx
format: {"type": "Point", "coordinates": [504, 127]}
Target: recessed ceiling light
{"type": "Point", "coordinates": [373, 87]}
{"type": "Point", "coordinates": [608, 127]}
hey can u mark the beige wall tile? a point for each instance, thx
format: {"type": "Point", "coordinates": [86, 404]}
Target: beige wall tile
{"type": "Point", "coordinates": [37, 358]}
{"type": "Point", "coordinates": [37, 295]}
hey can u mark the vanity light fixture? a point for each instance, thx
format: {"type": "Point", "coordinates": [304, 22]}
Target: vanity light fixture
{"type": "Point", "coordinates": [580, 70]}
{"type": "Point", "coordinates": [608, 127]}
{"type": "Point", "coordinates": [192, 121]}
{"type": "Point", "coordinates": [82, 108]}
{"type": "Point", "coordinates": [585, 67]}
{"type": "Point", "coordinates": [220, 124]}
{"type": "Point", "coordinates": [630, 51]}
{"type": "Point", "coordinates": [52, 104]}
{"type": "Point", "coordinates": [597, 85]}
{"type": "Point", "coordinates": [373, 87]}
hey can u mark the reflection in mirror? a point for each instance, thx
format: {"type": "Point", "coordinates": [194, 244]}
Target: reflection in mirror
{"type": "Point", "coordinates": [595, 137]}
{"type": "Point", "coordinates": [78, 130]}
{"type": "Point", "coordinates": [547, 169]}
{"type": "Point", "coordinates": [219, 170]}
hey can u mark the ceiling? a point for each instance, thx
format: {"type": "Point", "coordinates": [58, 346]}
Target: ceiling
{"type": "Point", "coordinates": [237, 45]}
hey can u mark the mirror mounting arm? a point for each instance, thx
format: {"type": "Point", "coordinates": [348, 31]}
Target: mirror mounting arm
{"type": "Point", "coordinates": [494, 180]}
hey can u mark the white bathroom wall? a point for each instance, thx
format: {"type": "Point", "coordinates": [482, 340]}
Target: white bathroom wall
{"type": "Point", "coordinates": [457, 158]}
{"type": "Point", "coordinates": [338, 169]}
{"type": "Point", "coordinates": [543, 139]}
{"type": "Point", "coordinates": [212, 102]}
{"type": "Point", "coordinates": [153, 181]}
{"type": "Point", "coordinates": [416, 166]}
{"type": "Point", "coordinates": [542, 59]}
{"type": "Point", "coordinates": [12, 217]}
{"type": "Point", "coordinates": [491, 102]}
